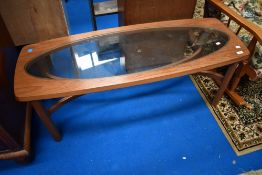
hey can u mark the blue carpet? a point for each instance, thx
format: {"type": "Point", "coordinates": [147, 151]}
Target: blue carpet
{"type": "Point", "coordinates": [158, 128]}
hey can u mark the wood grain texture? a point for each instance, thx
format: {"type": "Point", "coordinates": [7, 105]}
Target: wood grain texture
{"type": "Point", "coordinates": [31, 21]}
{"type": "Point", "coordinates": [28, 88]}
{"type": "Point", "coordinates": [137, 11]}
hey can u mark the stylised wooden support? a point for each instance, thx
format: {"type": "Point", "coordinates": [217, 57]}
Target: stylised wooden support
{"type": "Point", "coordinates": [244, 68]}
{"type": "Point", "coordinates": [61, 102]}
{"type": "Point", "coordinates": [45, 117]}
{"type": "Point", "coordinates": [223, 82]}
{"type": "Point", "coordinates": [213, 74]}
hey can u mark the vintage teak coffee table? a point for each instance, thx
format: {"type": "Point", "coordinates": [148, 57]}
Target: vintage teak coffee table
{"type": "Point", "coordinates": [71, 66]}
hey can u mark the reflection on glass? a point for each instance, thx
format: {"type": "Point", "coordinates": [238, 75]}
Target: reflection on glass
{"type": "Point", "coordinates": [128, 52]}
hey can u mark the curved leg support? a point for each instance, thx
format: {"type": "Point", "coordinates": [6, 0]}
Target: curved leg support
{"type": "Point", "coordinates": [44, 116]}
{"type": "Point", "coordinates": [225, 83]}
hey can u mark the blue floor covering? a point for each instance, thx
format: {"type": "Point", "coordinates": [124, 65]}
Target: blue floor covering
{"type": "Point", "coordinates": [159, 128]}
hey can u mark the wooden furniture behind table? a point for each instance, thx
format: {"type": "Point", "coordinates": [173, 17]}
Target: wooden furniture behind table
{"type": "Point", "coordinates": [137, 11]}
{"type": "Point", "coordinates": [31, 21]}
{"type": "Point", "coordinates": [217, 6]}
{"type": "Point", "coordinates": [15, 117]}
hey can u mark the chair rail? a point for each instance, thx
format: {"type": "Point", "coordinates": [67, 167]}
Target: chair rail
{"type": "Point", "coordinates": [243, 22]}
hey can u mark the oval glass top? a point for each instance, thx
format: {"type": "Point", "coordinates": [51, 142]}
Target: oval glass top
{"type": "Point", "coordinates": [128, 52]}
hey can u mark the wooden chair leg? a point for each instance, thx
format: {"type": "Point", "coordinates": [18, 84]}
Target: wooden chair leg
{"type": "Point", "coordinates": [24, 160]}
{"type": "Point", "coordinates": [225, 83]}
{"type": "Point", "coordinates": [7, 140]}
{"type": "Point", "coordinates": [43, 115]}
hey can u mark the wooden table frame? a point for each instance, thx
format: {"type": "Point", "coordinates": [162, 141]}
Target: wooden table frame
{"type": "Point", "coordinates": [33, 89]}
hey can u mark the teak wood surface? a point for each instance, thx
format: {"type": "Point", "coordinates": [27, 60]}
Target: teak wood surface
{"type": "Point", "coordinates": [32, 21]}
{"type": "Point", "coordinates": [137, 11]}
{"type": "Point", "coordinates": [30, 88]}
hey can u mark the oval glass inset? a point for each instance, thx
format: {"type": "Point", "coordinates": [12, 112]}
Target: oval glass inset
{"type": "Point", "coordinates": [128, 52]}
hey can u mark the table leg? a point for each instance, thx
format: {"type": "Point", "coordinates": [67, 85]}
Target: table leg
{"type": "Point", "coordinates": [44, 116]}
{"type": "Point", "coordinates": [224, 85]}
